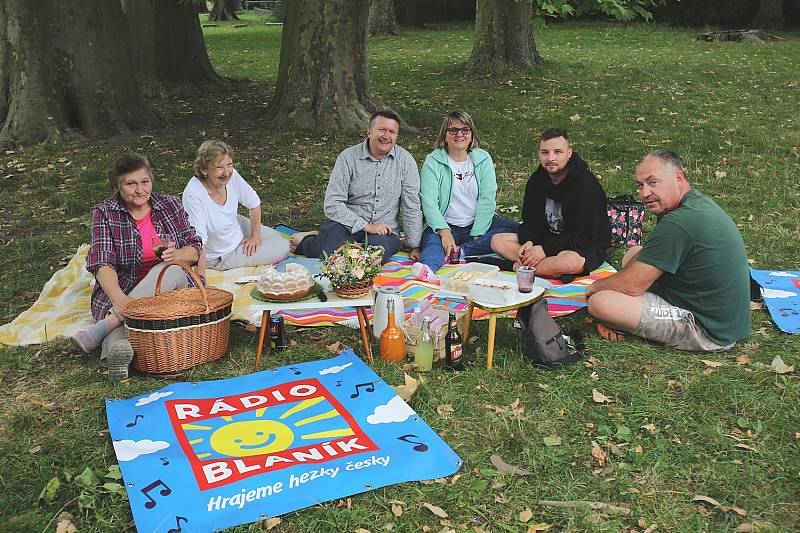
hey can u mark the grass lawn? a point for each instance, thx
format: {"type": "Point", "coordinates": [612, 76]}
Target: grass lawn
{"type": "Point", "coordinates": [674, 427]}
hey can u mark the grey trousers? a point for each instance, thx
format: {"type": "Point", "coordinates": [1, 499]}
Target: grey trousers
{"type": "Point", "coordinates": [274, 249]}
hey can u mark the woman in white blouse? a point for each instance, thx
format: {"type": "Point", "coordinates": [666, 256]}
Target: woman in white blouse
{"type": "Point", "coordinates": [212, 198]}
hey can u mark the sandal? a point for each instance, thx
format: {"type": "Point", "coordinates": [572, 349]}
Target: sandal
{"type": "Point", "coordinates": [610, 334]}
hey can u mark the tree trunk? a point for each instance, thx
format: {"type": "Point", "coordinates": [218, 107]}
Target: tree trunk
{"type": "Point", "coordinates": [769, 14]}
{"type": "Point", "coordinates": [323, 80]}
{"type": "Point", "coordinates": [65, 67]}
{"type": "Point", "coordinates": [382, 19]}
{"type": "Point", "coordinates": [223, 10]}
{"type": "Point", "coordinates": [167, 44]}
{"type": "Point", "coordinates": [503, 37]}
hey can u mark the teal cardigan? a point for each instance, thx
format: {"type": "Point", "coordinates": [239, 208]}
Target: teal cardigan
{"type": "Point", "coordinates": [436, 188]}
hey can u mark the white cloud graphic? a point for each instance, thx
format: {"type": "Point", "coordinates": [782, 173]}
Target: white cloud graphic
{"type": "Point", "coordinates": [782, 274]}
{"type": "Point", "coordinates": [396, 410]}
{"type": "Point", "coordinates": [128, 450]}
{"type": "Point", "coordinates": [775, 293]}
{"type": "Point", "coordinates": [151, 398]}
{"type": "Point", "coordinates": [333, 369]}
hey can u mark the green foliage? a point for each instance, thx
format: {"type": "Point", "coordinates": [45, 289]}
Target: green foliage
{"type": "Point", "coordinates": [621, 10]}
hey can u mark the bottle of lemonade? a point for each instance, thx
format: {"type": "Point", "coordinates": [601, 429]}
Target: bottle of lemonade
{"type": "Point", "coordinates": [423, 356]}
{"type": "Point", "coordinates": [392, 345]}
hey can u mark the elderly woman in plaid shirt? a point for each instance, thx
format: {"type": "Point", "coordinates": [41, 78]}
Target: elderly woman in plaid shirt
{"type": "Point", "coordinates": [123, 260]}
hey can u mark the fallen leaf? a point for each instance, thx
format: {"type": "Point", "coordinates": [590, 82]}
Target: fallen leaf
{"type": "Point", "coordinates": [539, 527]}
{"type": "Point", "coordinates": [438, 511]}
{"type": "Point", "coordinates": [745, 447]}
{"type": "Point", "coordinates": [575, 118]}
{"type": "Point", "coordinates": [271, 523]}
{"type": "Point", "coordinates": [755, 306]}
{"type": "Point", "coordinates": [720, 174]}
{"type": "Point", "coordinates": [742, 360]}
{"type": "Point", "coordinates": [35, 449]}
{"type": "Point", "coordinates": [407, 390]}
{"type": "Point", "coordinates": [639, 119]}
{"type": "Point", "coordinates": [763, 331]}
{"type": "Point", "coordinates": [525, 516]}
{"type": "Point", "coordinates": [715, 503]}
{"type": "Point", "coordinates": [65, 524]}
{"type": "Point", "coordinates": [650, 427]}
{"type": "Point", "coordinates": [552, 440]}
{"type": "Point", "coordinates": [506, 468]}
{"type": "Point", "coordinates": [650, 529]}
{"type": "Point", "coordinates": [335, 348]}
{"type": "Point", "coordinates": [397, 511]}
{"type": "Point", "coordinates": [444, 408]}
{"type": "Point", "coordinates": [706, 499]}
{"type": "Point", "coordinates": [361, 530]}
{"type": "Point", "coordinates": [712, 364]}
{"type": "Point", "coordinates": [779, 366]}
{"type": "Point", "coordinates": [598, 454]}
{"type": "Point", "coordinates": [501, 498]}
{"type": "Point", "coordinates": [599, 397]}
{"type": "Point", "coordinates": [709, 371]}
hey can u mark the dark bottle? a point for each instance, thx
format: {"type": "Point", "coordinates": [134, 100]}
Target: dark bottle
{"type": "Point", "coordinates": [454, 346]}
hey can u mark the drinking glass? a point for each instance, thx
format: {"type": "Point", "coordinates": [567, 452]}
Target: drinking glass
{"type": "Point", "coordinates": [525, 278]}
{"type": "Point", "coordinates": [160, 243]}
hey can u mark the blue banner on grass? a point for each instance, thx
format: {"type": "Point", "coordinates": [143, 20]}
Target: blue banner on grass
{"type": "Point", "coordinates": [781, 292]}
{"type": "Point", "coordinates": [209, 455]}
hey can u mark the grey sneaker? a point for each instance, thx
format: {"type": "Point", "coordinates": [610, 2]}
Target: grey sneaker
{"type": "Point", "coordinates": [119, 359]}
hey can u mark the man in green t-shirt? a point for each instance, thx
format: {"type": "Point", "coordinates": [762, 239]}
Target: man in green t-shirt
{"type": "Point", "coordinates": [689, 285]}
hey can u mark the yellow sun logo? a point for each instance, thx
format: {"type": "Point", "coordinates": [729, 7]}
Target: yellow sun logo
{"type": "Point", "coordinates": [249, 433]}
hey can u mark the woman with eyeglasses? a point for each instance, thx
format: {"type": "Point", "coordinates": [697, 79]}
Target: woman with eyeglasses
{"type": "Point", "coordinates": [212, 198]}
{"type": "Point", "coordinates": [457, 188]}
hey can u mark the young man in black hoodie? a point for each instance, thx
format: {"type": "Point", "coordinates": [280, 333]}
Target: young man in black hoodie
{"type": "Point", "coordinates": [565, 229]}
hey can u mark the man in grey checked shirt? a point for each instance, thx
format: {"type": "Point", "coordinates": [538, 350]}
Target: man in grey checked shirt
{"type": "Point", "coordinates": [369, 184]}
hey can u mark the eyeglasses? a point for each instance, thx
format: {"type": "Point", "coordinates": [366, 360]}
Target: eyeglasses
{"type": "Point", "coordinates": [464, 131]}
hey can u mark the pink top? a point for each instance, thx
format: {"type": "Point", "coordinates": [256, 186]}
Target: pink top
{"type": "Point", "coordinates": [148, 232]}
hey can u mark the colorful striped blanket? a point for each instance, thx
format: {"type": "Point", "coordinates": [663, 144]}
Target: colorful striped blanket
{"type": "Point", "coordinates": [62, 308]}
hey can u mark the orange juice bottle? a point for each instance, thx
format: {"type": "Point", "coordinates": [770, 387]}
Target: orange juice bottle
{"type": "Point", "coordinates": [392, 346]}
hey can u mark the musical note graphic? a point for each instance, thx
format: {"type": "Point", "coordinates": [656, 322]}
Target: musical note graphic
{"type": "Point", "coordinates": [135, 421]}
{"type": "Point", "coordinates": [166, 491]}
{"type": "Point", "coordinates": [296, 372]}
{"type": "Point", "coordinates": [420, 446]}
{"type": "Point", "coordinates": [786, 311]}
{"type": "Point", "coordinates": [369, 387]}
{"type": "Point", "coordinates": [178, 520]}
{"type": "Point", "coordinates": [339, 383]}
{"type": "Point", "coordinates": [164, 461]}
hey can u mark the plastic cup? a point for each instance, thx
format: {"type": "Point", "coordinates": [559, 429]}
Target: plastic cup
{"type": "Point", "coordinates": [525, 278]}
{"type": "Point", "coordinates": [455, 256]}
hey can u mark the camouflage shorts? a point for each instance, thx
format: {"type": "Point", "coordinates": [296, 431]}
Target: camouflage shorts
{"type": "Point", "coordinates": [673, 326]}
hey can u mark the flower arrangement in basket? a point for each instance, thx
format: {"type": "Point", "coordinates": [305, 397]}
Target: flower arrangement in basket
{"type": "Point", "coordinates": [351, 268]}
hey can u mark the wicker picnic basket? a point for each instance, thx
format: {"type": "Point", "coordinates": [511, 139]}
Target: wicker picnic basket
{"type": "Point", "coordinates": [178, 329]}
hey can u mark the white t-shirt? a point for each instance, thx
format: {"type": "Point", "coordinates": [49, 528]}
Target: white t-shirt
{"type": "Point", "coordinates": [464, 195]}
{"type": "Point", "coordinates": [216, 224]}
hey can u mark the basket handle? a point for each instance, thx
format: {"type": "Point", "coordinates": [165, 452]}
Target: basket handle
{"type": "Point", "coordinates": [188, 269]}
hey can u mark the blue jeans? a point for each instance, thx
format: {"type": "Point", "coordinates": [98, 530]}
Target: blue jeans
{"type": "Point", "coordinates": [433, 253]}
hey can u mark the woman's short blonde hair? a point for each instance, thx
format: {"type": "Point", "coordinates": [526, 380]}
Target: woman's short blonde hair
{"type": "Point", "coordinates": [463, 117]}
{"type": "Point", "coordinates": [209, 152]}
